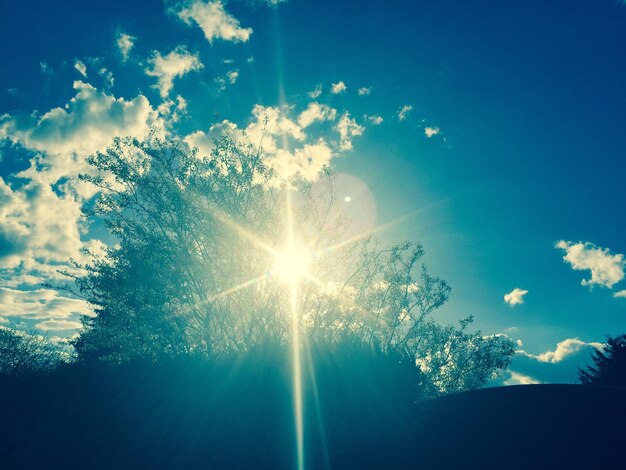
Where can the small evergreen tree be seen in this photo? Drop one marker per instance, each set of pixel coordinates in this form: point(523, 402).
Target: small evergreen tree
point(609, 364)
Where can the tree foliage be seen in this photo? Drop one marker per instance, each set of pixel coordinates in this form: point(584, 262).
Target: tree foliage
point(190, 271)
point(609, 364)
point(22, 353)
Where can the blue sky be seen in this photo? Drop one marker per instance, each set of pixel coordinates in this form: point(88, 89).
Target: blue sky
point(499, 123)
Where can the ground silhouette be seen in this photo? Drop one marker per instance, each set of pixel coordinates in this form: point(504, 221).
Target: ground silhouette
point(361, 411)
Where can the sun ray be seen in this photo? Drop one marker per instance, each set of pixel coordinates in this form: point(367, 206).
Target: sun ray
point(295, 345)
point(243, 232)
point(232, 290)
point(377, 229)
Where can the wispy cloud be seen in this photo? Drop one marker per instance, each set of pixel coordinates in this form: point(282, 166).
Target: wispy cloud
point(364, 91)
point(124, 42)
point(81, 67)
point(215, 21)
point(58, 325)
point(316, 92)
point(374, 119)
point(404, 111)
point(348, 128)
point(606, 268)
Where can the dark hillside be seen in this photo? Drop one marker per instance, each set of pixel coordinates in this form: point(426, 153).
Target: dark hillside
point(238, 414)
point(528, 426)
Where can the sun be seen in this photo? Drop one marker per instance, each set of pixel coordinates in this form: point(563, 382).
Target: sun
point(292, 264)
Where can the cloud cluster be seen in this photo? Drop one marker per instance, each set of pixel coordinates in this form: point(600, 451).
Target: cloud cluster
point(41, 304)
point(166, 68)
point(41, 223)
point(606, 269)
point(515, 297)
point(288, 149)
point(215, 21)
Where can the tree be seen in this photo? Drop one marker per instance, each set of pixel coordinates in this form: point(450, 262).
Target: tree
point(609, 364)
point(22, 353)
point(192, 270)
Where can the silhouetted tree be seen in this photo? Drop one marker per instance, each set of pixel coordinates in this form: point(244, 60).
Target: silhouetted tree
point(609, 364)
point(191, 273)
point(22, 353)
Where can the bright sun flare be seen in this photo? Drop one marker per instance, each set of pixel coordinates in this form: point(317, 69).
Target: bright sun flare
point(292, 264)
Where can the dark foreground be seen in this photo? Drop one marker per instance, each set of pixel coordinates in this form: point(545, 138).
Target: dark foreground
point(208, 416)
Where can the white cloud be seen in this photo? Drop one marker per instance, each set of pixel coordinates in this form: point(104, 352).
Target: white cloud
point(374, 119)
point(125, 42)
point(517, 378)
point(306, 162)
point(175, 64)
point(316, 112)
point(431, 131)
point(338, 87)
point(620, 294)
point(403, 111)
point(564, 349)
point(560, 365)
point(58, 325)
point(606, 269)
point(515, 297)
point(348, 128)
point(316, 92)
point(81, 67)
point(215, 21)
point(364, 91)
point(41, 304)
point(86, 124)
point(41, 224)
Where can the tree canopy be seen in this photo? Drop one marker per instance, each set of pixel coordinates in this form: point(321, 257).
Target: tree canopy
point(189, 268)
